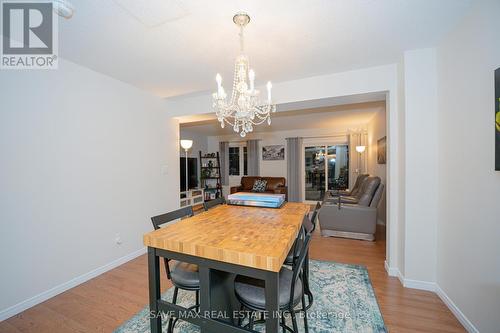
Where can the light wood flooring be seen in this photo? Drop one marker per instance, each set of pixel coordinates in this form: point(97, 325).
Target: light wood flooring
point(105, 302)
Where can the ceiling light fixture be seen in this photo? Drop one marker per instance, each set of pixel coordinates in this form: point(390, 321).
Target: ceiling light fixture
point(244, 109)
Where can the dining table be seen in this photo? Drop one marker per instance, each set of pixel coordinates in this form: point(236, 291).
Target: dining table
point(224, 241)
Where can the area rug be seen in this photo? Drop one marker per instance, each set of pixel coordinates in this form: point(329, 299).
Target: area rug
point(344, 301)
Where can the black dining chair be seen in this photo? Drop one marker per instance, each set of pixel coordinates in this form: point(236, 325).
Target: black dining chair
point(308, 226)
point(183, 275)
point(251, 292)
point(212, 203)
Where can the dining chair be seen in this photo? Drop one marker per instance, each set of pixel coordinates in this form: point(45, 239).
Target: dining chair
point(183, 275)
point(251, 293)
point(212, 203)
point(308, 226)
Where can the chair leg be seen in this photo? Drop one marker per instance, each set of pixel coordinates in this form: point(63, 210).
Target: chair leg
point(250, 322)
point(307, 288)
point(197, 293)
point(294, 322)
point(174, 301)
point(306, 328)
point(240, 319)
point(283, 322)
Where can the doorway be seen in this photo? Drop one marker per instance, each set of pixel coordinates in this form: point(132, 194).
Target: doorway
point(326, 167)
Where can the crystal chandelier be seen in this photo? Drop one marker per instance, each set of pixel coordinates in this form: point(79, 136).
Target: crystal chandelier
point(244, 109)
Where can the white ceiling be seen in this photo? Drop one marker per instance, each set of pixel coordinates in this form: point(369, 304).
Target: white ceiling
point(174, 47)
point(345, 117)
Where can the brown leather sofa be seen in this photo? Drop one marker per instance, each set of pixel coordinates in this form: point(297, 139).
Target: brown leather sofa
point(274, 185)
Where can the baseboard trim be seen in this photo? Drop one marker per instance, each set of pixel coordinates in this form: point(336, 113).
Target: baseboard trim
point(433, 287)
point(421, 285)
point(394, 272)
point(26, 304)
point(456, 311)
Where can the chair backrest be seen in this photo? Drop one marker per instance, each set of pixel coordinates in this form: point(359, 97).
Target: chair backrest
point(212, 203)
point(165, 218)
point(314, 216)
point(377, 196)
point(309, 223)
point(367, 191)
point(357, 184)
point(299, 264)
point(170, 216)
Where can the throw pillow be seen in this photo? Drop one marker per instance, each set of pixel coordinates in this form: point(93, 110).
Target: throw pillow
point(259, 185)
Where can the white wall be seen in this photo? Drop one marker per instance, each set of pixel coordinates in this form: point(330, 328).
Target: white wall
point(83, 158)
point(420, 165)
point(376, 129)
point(468, 246)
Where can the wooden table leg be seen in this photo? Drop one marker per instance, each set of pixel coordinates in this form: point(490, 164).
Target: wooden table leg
point(154, 290)
point(272, 301)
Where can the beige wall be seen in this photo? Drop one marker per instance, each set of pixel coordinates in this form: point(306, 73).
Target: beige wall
point(376, 130)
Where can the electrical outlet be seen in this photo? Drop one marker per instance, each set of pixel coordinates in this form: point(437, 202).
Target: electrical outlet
point(164, 170)
point(118, 239)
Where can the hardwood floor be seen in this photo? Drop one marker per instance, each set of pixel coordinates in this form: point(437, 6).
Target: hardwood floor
point(105, 302)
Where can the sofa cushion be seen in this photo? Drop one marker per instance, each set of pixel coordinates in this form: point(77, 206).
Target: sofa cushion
point(368, 189)
point(274, 182)
point(358, 184)
point(259, 186)
point(247, 182)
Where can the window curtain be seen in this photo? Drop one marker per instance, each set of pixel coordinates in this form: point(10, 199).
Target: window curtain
point(293, 169)
point(253, 158)
point(224, 162)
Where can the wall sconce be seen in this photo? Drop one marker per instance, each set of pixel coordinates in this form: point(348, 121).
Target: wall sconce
point(360, 149)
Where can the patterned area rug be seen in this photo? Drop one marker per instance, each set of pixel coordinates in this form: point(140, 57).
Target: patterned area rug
point(344, 301)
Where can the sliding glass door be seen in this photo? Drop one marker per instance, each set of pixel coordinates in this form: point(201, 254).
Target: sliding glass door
point(326, 168)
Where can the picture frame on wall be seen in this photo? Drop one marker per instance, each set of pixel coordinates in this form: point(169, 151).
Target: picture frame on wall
point(497, 119)
point(273, 153)
point(382, 150)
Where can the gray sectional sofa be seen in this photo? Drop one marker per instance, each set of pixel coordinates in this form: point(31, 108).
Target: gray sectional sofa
point(352, 214)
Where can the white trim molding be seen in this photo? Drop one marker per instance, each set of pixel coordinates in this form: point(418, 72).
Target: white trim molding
point(30, 302)
point(433, 287)
point(456, 311)
point(421, 285)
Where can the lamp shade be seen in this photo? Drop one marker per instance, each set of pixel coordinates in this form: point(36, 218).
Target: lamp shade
point(360, 149)
point(186, 144)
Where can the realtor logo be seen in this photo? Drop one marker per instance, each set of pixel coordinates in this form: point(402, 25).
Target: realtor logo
point(29, 35)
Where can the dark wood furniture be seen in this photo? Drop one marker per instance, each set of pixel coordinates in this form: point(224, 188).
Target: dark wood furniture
point(225, 241)
point(275, 185)
point(210, 176)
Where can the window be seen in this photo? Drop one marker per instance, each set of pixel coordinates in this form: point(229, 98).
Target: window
point(238, 160)
point(234, 161)
point(245, 161)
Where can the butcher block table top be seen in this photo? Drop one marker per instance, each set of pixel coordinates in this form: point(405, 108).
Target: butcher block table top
point(248, 236)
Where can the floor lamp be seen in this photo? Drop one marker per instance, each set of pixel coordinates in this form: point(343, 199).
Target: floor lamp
point(360, 150)
point(186, 144)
